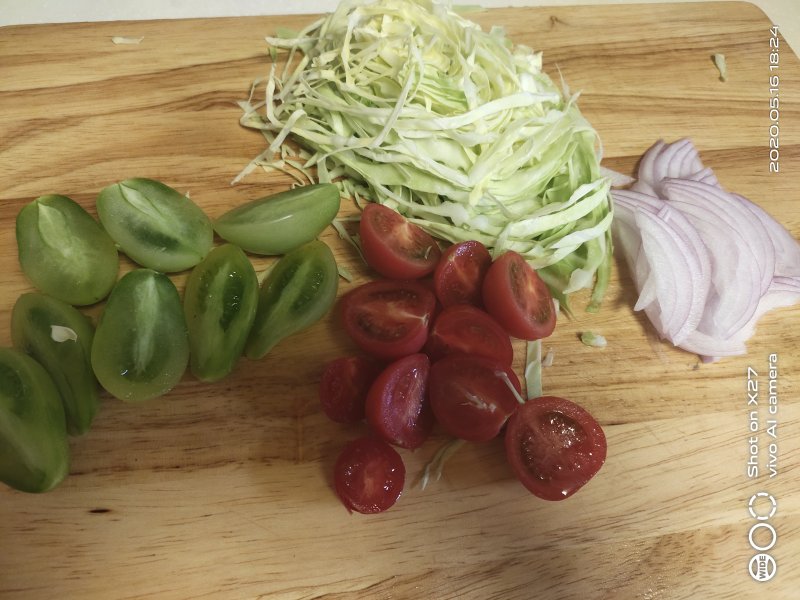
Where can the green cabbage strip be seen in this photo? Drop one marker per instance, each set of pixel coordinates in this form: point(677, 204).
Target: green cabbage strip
point(415, 107)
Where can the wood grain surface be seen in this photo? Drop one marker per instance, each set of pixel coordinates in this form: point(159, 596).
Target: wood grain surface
point(224, 490)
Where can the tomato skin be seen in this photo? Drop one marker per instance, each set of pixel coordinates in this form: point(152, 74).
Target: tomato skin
point(395, 247)
point(459, 276)
point(369, 475)
point(397, 405)
point(464, 329)
point(468, 397)
point(518, 299)
point(343, 387)
point(554, 447)
point(388, 319)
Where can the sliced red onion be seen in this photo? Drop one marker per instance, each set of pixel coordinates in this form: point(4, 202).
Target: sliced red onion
point(704, 175)
point(682, 310)
point(643, 187)
point(617, 179)
point(646, 172)
point(677, 160)
point(787, 250)
point(785, 284)
point(707, 264)
point(736, 278)
point(752, 232)
point(778, 296)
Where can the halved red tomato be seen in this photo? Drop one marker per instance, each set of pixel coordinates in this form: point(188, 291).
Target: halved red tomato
point(395, 247)
point(369, 475)
point(554, 447)
point(397, 405)
point(459, 275)
point(470, 395)
point(464, 329)
point(388, 319)
point(518, 299)
point(344, 385)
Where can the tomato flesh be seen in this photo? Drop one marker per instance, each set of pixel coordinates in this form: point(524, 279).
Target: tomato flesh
point(343, 387)
point(397, 405)
point(470, 397)
point(459, 275)
point(369, 475)
point(554, 447)
point(388, 319)
point(464, 329)
point(518, 299)
point(395, 247)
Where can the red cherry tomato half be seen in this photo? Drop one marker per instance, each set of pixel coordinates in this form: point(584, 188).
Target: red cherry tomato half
point(395, 247)
point(469, 395)
point(554, 447)
point(518, 299)
point(388, 319)
point(465, 329)
point(459, 275)
point(369, 475)
point(344, 385)
point(397, 405)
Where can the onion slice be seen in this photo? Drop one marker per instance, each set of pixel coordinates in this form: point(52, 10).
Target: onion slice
point(707, 264)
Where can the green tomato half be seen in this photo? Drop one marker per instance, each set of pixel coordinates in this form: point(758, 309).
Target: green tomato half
point(65, 252)
point(280, 223)
point(141, 347)
point(155, 225)
point(299, 290)
point(220, 303)
point(59, 337)
point(34, 451)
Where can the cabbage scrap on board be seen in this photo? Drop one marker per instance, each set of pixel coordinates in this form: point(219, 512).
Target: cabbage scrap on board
point(409, 104)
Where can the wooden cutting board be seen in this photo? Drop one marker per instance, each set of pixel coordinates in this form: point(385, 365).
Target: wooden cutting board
point(224, 491)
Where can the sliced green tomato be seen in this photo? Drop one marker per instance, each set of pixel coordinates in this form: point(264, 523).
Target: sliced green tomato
point(59, 337)
point(297, 293)
point(279, 223)
point(220, 303)
point(155, 225)
point(64, 251)
point(141, 346)
point(34, 451)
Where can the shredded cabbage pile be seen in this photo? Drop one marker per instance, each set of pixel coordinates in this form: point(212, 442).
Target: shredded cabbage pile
point(414, 106)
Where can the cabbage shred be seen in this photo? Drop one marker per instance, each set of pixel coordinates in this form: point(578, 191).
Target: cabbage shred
point(409, 104)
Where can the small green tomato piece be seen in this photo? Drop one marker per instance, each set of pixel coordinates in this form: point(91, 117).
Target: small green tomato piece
point(59, 337)
point(155, 225)
point(64, 251)
point(220, 303)
point(34, 451)
point(282, 222)
point(299, 290)
point(141, 346)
